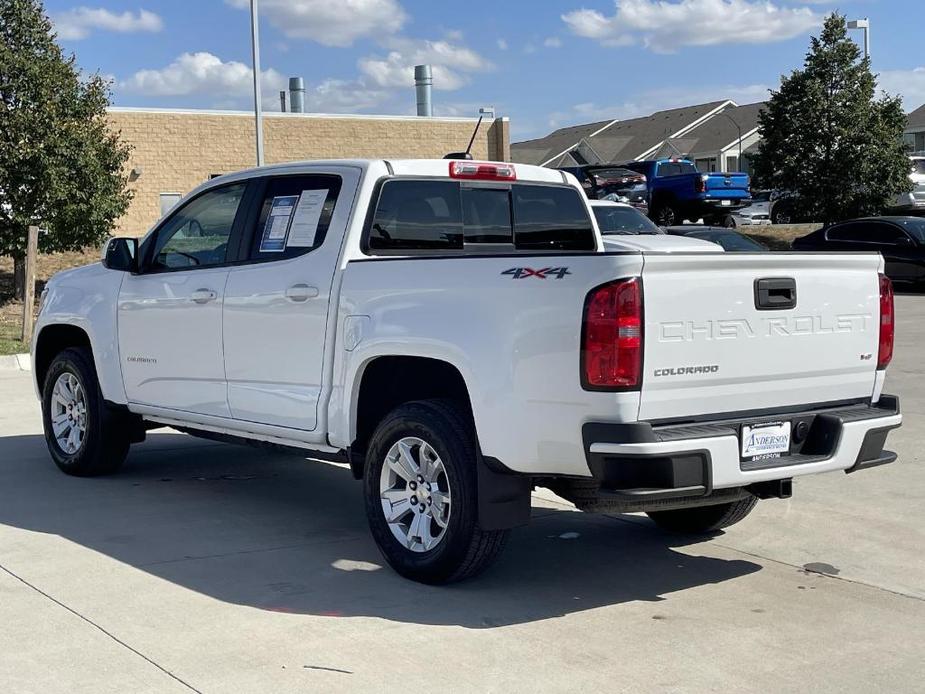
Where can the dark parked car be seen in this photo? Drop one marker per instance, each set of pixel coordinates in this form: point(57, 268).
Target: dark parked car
point(614, 183)
point(901, 241)
point(728, 239)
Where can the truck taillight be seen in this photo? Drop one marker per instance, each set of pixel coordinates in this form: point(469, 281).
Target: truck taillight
point(611, 346)
point(885, 352)
point(480, 171)
point(700, 184)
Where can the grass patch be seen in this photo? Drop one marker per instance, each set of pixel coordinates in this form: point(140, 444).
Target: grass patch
point(11, 310)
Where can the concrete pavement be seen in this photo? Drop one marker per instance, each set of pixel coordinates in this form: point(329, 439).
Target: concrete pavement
point(218, 568)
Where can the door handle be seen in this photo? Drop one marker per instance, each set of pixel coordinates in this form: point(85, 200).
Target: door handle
point(204, 296)
point(301, 292)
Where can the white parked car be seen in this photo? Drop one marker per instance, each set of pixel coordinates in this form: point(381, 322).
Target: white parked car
point(458, 332)
point(914, 200)
point(758, 213)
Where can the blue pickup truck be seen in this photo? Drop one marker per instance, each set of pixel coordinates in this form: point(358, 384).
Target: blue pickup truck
point(677, 191)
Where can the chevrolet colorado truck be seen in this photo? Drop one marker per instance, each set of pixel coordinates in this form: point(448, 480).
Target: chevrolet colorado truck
point(677, 191)
point(460, 332)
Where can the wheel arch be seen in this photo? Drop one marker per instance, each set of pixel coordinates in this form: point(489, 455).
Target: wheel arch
point(51, 341)
point(386, 381)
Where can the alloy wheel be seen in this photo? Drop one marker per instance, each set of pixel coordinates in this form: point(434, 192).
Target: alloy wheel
point(69, 413)
point(415, 494)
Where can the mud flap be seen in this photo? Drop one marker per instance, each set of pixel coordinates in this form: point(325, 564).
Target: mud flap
point(504, 497)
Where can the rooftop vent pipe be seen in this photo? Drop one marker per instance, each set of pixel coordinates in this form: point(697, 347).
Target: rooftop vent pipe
point(296, 95)
point(423, 81)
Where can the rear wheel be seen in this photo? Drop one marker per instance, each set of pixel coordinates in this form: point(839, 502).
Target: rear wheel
point(84, 437)
point(729, 222)
point(665, 215)
point(703, 519)
point(422, 494)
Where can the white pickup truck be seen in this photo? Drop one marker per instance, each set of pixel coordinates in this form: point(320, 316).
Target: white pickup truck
point(460, 332)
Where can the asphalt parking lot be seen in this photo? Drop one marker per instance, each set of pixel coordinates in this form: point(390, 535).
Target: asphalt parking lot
point(216, 568)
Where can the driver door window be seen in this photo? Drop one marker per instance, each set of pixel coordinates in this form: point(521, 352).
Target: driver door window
point(197, 234)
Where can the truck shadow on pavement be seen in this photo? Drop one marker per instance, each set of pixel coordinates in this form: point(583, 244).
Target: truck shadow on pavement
point(278, 533)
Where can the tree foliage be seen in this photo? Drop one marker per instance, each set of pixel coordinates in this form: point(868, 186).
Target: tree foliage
point(61, 167)
point(826, 137)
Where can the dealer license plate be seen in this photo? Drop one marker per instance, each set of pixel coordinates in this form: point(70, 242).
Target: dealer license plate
point(770, 440)
point(725, 202)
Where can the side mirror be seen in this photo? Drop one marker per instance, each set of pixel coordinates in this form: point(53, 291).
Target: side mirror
point(121, 253)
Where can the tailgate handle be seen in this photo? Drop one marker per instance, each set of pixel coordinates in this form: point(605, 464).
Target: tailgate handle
point(775, 293)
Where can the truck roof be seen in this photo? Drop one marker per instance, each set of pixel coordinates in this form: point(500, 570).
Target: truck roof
point(401, 167)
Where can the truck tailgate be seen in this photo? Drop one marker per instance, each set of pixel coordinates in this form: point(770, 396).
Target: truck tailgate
point(719, 183)
point(708, 348)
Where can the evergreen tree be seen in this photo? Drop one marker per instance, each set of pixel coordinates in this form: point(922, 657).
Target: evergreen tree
point(826, 137)
point(61, 167)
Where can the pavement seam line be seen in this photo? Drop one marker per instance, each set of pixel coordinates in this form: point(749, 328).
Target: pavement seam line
point(787, 563)
point(99, 628)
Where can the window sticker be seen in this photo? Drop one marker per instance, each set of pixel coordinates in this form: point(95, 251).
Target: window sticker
point(277, 225)
point(306, 217)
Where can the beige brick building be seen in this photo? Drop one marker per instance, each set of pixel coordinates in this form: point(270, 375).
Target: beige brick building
point(175, 150)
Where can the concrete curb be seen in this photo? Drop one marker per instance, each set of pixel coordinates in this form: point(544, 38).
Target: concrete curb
point(15, 362)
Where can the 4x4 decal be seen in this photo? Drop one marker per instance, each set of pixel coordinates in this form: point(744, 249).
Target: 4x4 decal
point(519, 273)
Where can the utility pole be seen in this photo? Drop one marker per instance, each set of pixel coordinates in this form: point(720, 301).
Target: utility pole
point(28, 306)
point(258, 110)
point(739, 160)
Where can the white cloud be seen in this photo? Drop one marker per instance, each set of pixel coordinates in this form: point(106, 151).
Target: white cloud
point(207, 75)
point(331, 22)
point(80, 22)
point(910, 84)
point(502, 44)
point(553, 42)
point(666, 26)
point(451, 62)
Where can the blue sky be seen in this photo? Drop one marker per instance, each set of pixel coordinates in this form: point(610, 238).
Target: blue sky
point(544, 64)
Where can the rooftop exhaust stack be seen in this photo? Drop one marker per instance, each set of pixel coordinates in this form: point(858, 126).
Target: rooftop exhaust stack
point(296, 95)
point(423, 81)
point(282, 101)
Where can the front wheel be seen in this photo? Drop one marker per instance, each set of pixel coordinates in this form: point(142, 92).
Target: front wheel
point(422, 494)
point(703, 520)
point(664, 215)
point(84, 437)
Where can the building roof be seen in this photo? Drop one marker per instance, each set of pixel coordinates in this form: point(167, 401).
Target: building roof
point(717, 133)
point(616, 140)
point(915, 120)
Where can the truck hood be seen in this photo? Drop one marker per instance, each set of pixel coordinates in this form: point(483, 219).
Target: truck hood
point(78, 274)
point(658, 243)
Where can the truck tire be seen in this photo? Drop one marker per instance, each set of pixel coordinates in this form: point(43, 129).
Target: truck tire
point(85, 438)
point(422, 494)
point(703, 520)
point(665, 215)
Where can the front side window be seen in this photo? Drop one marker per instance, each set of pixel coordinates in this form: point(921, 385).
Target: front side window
point(197, 234)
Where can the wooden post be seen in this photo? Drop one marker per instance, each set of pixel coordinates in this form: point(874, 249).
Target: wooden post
point(28, 306)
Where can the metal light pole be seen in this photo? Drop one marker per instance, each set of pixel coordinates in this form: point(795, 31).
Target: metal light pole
point(863, 24)
point(258, 110)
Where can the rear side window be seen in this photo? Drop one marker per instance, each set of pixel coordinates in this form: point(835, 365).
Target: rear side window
point(294, 216)
point(860, 232)
point(449, 216)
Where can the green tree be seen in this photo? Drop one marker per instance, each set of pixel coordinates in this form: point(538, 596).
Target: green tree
point(61, 167)
point(828, 139)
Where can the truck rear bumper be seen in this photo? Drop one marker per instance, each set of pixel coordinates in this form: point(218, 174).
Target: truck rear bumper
point(638, 461)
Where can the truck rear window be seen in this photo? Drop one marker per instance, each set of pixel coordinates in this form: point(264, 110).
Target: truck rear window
point(429, 215)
